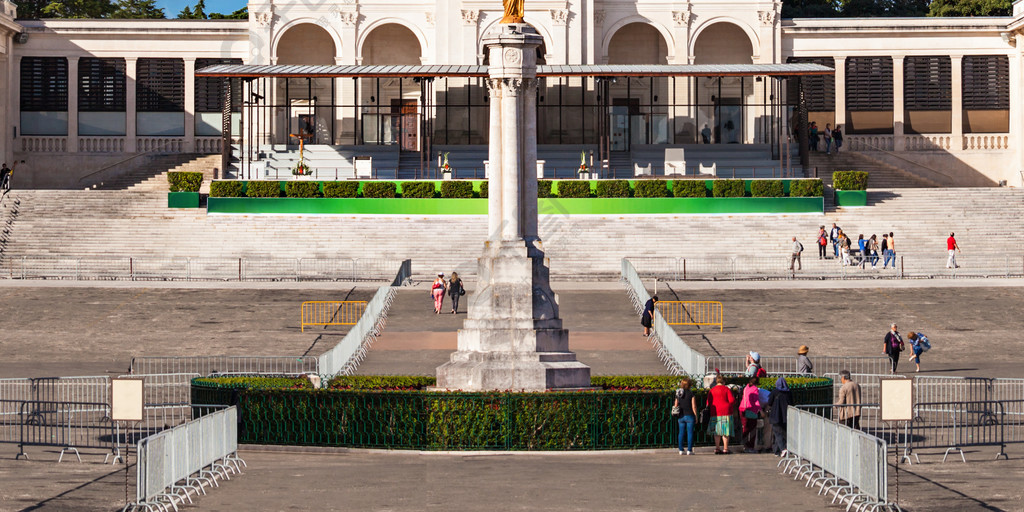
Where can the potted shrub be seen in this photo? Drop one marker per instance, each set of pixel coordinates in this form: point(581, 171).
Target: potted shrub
point(850, 188)
point(446, 170)
point(583, 172)
point(184, 189)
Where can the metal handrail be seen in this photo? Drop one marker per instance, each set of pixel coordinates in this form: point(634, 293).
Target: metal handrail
point(119, 162)
point(876, 148)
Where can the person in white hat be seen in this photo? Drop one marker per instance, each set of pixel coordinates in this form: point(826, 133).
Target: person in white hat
point(754, 365)
point(437, 290)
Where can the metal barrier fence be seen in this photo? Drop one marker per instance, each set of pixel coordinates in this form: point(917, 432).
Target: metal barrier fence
point(208, 365)
point(56, 389)
point(777, 267)
point(331, 312)
point(200, 269)
point(837, 459)
point(954, 425)
point(692, 312)
point(961, 389)
point(176, 463)
point(69, 425)
point(346, 355)
point(673, 351)
point(872, 365)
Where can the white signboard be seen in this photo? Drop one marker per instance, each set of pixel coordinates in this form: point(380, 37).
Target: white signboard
point(897, 399)
point(126, 399)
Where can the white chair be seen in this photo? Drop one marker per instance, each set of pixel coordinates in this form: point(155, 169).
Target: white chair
point(675, 161)
point(711, 170)
point(642, 171)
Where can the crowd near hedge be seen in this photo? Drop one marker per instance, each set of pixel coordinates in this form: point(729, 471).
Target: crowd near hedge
point(397, 412)
point(180, 181)
point(566, 189)
point(850, 180)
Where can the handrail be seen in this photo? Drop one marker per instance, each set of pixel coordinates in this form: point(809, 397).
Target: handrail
point(119, 162)
point(876, 148)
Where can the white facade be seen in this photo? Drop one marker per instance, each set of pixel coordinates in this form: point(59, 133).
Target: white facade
point(448, 32)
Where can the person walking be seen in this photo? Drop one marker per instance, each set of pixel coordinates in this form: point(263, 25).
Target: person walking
point(892, 249)
point(722, 403)
point(797, 249)
point(952, 248)
point(750, 409)
point(705, 134)
point(6, 173)
point(804, 366)
point(844, 248)
point(647, 317)
point(833, 236)
point(455, 290)
point(827, 135)
point(919, 344)
point(437, 292)
point(893, 346)
point(862, 245)
point(822, 242)
point(686, 405)
point(837, 139)
point(812, 132)
point(885, 252)
point(873, 250)
point(849, 393)
point(778, 406)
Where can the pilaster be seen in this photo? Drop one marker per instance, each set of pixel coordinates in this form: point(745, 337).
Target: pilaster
point(957, 105)
point(72, 104)
point(898, 143)
point(840, 81)
point(190, 105)
point(131, 117)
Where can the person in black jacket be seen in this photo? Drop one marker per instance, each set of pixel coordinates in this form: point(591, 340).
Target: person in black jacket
point(455, 290)
point(778, 405)
point(893, 346)
point(647, 317)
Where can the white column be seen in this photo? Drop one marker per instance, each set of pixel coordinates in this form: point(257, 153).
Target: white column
point(511, 165)
point(957, 105)
point(898, 144)
point(1016, 110)
point(5, 111)
point(190, 106)
point(131, 75)
point(73, 104)
point(494, 192)
point(528, 170)
point(840, 81)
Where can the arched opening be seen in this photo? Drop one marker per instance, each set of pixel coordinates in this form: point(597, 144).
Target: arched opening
point(390, 113)
point(308, 114)
point(638, 105)
point(722, 112)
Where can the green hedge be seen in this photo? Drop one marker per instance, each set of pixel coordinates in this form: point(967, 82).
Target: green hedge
point(418, 189)
point(612, 188)
point(767, 188)
point(263, 189)
point(227, 189)
point(483, 189)
point(302, 189)
point(180, 181)
point(337, 189)
point(574, 188)
point(544, 188)
point(379, 189)
point(728, 188)
point(651, 188)
point(689, 188)
point(455, 189)
point(382, 382)
point(806, 188)
point(850, 180)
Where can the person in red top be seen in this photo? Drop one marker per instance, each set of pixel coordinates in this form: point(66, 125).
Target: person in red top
point(722, 402)
point(953, 248)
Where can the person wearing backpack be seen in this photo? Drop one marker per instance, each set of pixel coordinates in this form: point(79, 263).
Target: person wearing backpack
point(797, 249)
point(893, 346)
point(919, 344)
point(822, 242)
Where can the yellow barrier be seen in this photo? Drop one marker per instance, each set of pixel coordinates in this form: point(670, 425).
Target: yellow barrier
point(332, 312)
point(692, 312)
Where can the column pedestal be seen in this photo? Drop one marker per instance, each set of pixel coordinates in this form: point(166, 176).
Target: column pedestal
point(513, 338)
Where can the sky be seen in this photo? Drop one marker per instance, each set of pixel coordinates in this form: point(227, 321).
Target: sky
point(173, 7)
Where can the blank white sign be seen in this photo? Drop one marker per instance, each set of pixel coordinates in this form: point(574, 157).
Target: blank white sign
point(126, 399)
point(897, 399)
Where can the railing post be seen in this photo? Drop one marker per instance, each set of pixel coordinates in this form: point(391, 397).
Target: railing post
point(239, 269)
point(902, 275)
point(684, 269)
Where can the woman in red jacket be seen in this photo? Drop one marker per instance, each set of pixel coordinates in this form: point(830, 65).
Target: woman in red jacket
point(722, 402)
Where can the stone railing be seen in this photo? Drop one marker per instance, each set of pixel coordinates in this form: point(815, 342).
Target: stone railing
point(162, 144)
point(928, 142)
point(869, 142)
point(101, 144)
point(44, 144)
point(208, 145)
point(986, 141)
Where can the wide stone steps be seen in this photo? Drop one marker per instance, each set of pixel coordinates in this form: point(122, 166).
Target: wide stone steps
point(879, 175)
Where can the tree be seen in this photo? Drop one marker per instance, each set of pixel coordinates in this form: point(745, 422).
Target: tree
point(78, 9)
point(970, 8)
point(138, 9)
point(196, 13)
point(241, 14)
point(810, 9)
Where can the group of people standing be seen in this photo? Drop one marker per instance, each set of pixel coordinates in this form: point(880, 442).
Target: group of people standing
point(452, 287)
point(869, 249)
point(833, 138)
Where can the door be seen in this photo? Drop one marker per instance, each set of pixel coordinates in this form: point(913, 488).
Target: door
point(406, 121)
point(730, 121)
point(624, 112)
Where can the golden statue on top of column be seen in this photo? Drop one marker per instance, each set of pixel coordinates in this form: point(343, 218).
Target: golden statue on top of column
point(514, 11)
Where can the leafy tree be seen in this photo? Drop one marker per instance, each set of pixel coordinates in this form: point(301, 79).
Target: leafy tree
point(78, 9)
point(196, 13)
point(138, 9)
point(241, 14)
point(810, 9)
point(970, 8)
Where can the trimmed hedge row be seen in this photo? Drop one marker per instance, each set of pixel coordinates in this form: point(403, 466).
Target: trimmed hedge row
point(850, 180)
point(180, 181)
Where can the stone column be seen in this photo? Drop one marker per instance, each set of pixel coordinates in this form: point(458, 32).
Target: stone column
point(512, 337)
point(898, 143)
point(840, 81)
point(72, 104)
point(190, 106)
point(131, 76)
point(957, 104)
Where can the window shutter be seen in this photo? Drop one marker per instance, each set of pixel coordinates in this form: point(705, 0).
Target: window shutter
point(101, 85)
point(869, 84)
point(44, 84)
point(161, 85)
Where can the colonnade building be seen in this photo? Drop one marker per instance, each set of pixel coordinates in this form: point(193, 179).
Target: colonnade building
point(621, 82)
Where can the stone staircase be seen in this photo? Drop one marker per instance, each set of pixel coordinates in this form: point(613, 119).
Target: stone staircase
point(123, 223)
point(881, 175)
point(152, 176)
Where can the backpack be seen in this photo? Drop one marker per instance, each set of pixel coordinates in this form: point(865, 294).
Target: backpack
point(801, 247)
point(761, 373)
point(923, 341)
point(822, 240)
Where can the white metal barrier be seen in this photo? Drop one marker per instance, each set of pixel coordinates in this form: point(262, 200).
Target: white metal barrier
point(839, 460)
point(182, 461)
point(869, 365)
point(346, 355)
point(673, 351)
point(207, 365)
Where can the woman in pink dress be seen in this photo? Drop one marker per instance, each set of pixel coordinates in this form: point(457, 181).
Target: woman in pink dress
point(437, 290)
